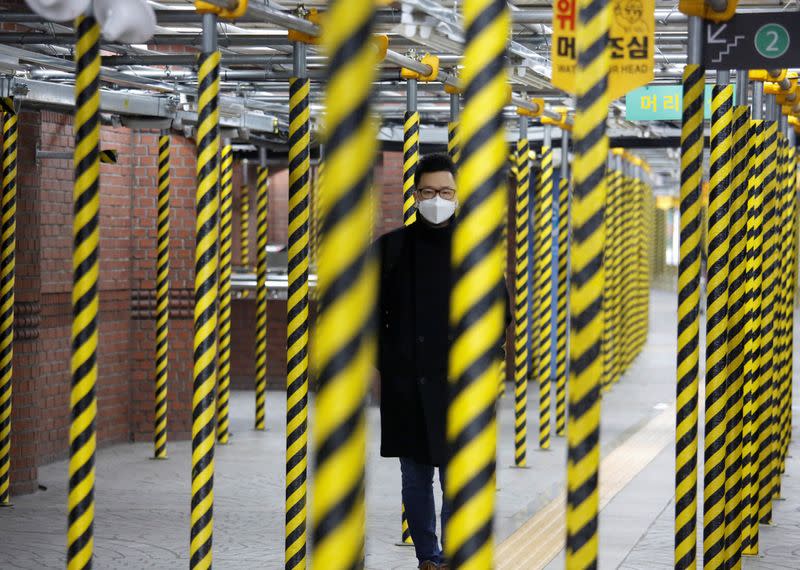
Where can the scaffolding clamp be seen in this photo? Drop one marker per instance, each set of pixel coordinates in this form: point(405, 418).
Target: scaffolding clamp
point(537, 103)
point(228, 13)
point(714, 10)
point(381, 43)
point(431, 61)
point(561, 122)
point(455, 88)
point(775, 75)
point(312, 16)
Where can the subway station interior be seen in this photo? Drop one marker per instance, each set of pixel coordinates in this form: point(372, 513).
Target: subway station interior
point(270, 270)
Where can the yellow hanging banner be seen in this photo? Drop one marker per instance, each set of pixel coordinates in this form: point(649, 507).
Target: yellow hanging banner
point(563, 54)
point(631, 44)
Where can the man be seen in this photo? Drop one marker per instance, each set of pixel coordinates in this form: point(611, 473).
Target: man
point(414, 344)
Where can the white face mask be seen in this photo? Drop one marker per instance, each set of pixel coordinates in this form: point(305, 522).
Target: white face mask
point(437, 209)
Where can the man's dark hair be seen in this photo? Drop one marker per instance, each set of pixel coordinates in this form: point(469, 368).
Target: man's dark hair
point(434, 162)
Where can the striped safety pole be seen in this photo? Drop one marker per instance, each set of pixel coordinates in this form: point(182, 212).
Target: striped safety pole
point(162, 299)
point(753, 290)
point(314, 221)
point(562, 305)
point(766, 372)
point(85, 302)
point(225, 228)
point(261, 291)
point(205, 297)
point(717, 322)
point(502, 376)
point(784, 241)
point(453, 136)
point(344, 345)
point(244, 219)
point(476, 307)
point(8, 235)
point(688, 358)
point(610, 252)
point(543, 284)
point(786, 257)
point(736, 321)
point(521, 296)
point(586, 367)
point(410, 160)
point(613, 271)
point(410, 151)
point(297, 307)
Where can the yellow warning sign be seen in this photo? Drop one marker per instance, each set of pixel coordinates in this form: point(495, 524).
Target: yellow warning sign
point(563, 52)
point(631, 45)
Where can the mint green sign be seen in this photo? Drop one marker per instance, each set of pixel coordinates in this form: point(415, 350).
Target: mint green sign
point(660, 103)
point(772, 40)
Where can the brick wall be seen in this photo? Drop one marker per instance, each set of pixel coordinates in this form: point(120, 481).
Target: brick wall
point(128, 196)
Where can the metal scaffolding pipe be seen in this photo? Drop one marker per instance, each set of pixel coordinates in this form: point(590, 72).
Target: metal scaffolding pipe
point(758, 100)
point(741, 87)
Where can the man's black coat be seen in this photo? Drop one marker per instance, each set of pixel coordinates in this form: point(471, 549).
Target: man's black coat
point(413, 314)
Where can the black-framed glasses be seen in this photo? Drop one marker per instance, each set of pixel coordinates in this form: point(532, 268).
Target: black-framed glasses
point(446, 193)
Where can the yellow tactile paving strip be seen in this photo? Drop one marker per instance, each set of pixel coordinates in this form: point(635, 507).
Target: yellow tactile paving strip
point(540, 539)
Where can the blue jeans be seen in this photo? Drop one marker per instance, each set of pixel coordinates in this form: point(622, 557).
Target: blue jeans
point(421, 510)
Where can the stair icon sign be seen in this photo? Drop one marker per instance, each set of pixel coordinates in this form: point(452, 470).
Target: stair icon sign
point(727, 49)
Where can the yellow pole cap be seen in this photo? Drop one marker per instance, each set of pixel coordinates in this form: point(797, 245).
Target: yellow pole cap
point(703, 9)
point(314, 17)
point(381, 43)
point(228, 13)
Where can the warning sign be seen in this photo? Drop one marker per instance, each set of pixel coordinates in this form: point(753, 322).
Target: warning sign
point(630, 41)
point(563, 48)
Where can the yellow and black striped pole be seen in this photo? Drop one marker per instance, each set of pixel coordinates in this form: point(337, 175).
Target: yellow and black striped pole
point(688, 359)
point(344, 345)
point(410, 151)
point(261, 292)
point(476, 308)
point(717, 323)
point(766, 371)
point(297, 307)
point(736, 331)
point(586, 367)
point(8, 237)
point(162, 300)
point(781, 384)
point(544, 287)
point(521, 297)
point(410, 160)
point(225, 228)
point(612, 360)
point(562, 305)
point(610, 254)
point(753, 291)
point(244, 219)
point(85, 302)
point(205, 298)
point(453, 137)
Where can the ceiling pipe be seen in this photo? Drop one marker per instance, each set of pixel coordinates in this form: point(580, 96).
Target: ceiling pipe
point(225, 40)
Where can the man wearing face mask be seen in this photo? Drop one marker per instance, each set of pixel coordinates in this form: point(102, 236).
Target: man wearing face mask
point(414, 343)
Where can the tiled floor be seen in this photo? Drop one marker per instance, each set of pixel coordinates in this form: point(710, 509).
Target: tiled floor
point(142, 505)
